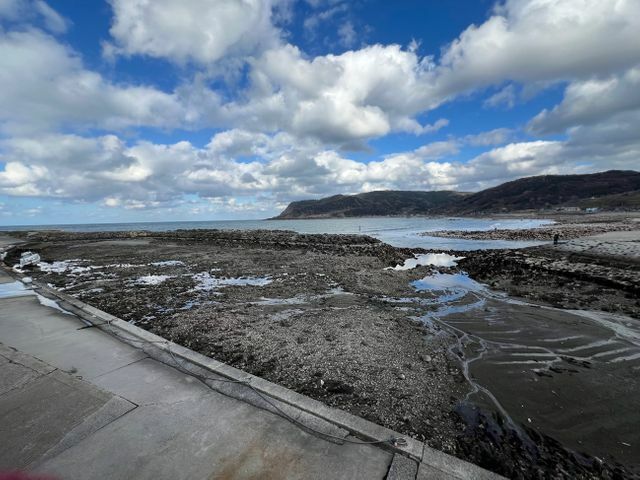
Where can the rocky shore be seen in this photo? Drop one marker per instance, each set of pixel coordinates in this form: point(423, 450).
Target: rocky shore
point(543, 233)
point(299, 310)
point(325, 316)
point(587, 274)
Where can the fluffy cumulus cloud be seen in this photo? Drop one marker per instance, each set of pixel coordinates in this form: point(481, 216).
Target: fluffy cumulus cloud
point(44, 85)
point(239, 163)
point(378, 89)
point(201, 31)
point(543, 40)
point(592, 101)
point(286, 121)
point(357, 95)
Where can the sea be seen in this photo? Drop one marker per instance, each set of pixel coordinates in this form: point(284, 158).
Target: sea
point(396, 231)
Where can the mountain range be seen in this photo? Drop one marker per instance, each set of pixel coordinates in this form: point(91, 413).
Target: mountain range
point(608, 190)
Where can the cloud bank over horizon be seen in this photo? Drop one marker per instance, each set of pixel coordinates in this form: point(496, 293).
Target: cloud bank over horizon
point(227, 109)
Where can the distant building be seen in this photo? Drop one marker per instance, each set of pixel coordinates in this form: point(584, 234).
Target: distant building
point(592, 210)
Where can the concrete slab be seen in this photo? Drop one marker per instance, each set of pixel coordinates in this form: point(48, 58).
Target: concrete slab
point(151, 382)
point(54, 337)
point(37, 416)
point(14, 376)
point(427, 472)
point(221, 439)
point(19, 369)
point(11, 355)
point(115, 408)
point(402, 468)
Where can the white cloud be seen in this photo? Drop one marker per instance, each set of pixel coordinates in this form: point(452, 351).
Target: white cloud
point(11, 9)
point(410, 125)
point(285, 127)
point(313, 21)
point(338, 98)
point(505, 97)
point(497, 136)
point(54, 22)
point(342, 99)
point(347, 34)
point(21, 11)
point(200, 31)
point(19, 179)
point(147, 175)
point(590, 102)
point(378, 89)
point(43, 85)
point(543, 40)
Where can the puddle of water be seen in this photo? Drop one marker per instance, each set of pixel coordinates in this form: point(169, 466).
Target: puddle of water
point(433, 259)
point(47, 302)
point(18, 289)
point(206, 281)
point(14, 289)
point(447, 309)
point(447, 281)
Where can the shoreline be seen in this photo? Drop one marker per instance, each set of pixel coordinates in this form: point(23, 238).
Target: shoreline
point(546, 232)
point(340, 332)
point(568, 226)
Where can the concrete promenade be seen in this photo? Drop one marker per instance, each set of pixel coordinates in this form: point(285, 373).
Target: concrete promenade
point(80, 403)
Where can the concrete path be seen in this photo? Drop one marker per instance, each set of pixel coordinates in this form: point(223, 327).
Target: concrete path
point(92, 407)
point(78, 403)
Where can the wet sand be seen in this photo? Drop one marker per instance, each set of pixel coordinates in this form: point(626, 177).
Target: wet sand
point(524, 390)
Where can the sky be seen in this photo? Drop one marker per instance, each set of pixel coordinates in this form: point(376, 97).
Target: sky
point(163, 110)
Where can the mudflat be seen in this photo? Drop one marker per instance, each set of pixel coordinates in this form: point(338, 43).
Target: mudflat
point(510, 382)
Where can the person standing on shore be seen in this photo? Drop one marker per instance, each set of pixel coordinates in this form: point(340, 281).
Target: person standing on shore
point(556, 237)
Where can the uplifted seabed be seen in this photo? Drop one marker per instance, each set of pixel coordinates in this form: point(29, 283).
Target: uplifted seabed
point(368, 334)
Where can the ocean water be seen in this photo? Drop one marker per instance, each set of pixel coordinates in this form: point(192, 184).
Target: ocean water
point(396, 231)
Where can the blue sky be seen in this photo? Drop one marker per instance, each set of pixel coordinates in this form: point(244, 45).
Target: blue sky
point(128, 110)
